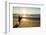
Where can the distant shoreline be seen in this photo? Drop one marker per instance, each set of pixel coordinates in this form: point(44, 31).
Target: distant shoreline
point(27, 16)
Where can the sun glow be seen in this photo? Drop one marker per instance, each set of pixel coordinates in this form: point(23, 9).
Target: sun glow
point(24, 12)
point(24, 19)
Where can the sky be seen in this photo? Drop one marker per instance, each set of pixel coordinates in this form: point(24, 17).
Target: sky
point(26, 10)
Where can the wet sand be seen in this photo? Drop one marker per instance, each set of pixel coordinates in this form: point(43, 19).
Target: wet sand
point(25, 22)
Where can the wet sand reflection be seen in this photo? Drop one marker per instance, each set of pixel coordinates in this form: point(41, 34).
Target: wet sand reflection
point(27, 22)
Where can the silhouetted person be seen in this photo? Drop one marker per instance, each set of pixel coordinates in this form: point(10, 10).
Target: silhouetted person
point(19, 20)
